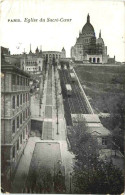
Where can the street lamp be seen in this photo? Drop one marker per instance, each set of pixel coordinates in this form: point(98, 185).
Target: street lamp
point(39, 107)
point(70, 182)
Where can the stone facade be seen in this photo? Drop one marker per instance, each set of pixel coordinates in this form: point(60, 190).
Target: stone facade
point(32, 62)
point(15, 118)
point(88, 48)
point(51, 56)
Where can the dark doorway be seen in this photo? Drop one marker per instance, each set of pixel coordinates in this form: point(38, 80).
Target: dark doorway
point(93, 60)
point(90, 59)
point(98, 60)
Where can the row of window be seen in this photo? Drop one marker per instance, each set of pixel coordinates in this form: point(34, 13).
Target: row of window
point(19, 80)
point(20, 99)
point(94, 60)
point(19, 142)
point(33, 69)
point(31, 62)
point(19, 120)
point(51, 55)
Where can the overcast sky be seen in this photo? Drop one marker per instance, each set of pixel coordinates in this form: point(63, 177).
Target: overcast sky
point(109, 16)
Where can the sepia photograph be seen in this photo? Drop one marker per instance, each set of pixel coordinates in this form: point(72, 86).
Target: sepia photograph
point(62, 96)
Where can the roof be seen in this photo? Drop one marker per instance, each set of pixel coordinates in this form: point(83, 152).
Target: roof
point(91, 118)
point(100, 41)
point(72, 75)
point(88, 28)
point(6, 67)
point(68, 87)
point(98, 130)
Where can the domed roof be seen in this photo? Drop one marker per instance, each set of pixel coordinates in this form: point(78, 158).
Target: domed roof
point(100, 40)
point(88, 28)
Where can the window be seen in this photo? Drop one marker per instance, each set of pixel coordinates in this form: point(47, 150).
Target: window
point(104, 141)
point(18, 122)
point(21, 118)
point(21, 139)
point(28, 96)
point(17, 80)
point(98, 60)
point(13, 126)
point(94, 60)
point(90, 59)
point(26, 82)
point(21, 99)
point(27, 129)
point(23, 134)
point(18, 100)
point(13, 152)
point(26, 113)
point(24, 116)
point(23, 81)
point(13, 102)
point(13, 79)
point(18, 144)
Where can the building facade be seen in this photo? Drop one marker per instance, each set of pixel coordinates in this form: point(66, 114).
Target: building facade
point(54, 56)
point(88, 48)
point(15, 118)
point(32, 62)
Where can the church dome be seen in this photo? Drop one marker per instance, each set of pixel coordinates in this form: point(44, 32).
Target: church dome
point(88, 28)
point(100, 40)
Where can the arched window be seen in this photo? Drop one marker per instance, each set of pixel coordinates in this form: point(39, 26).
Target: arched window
point(94, 61)
point(90, 59)
point(98, 60)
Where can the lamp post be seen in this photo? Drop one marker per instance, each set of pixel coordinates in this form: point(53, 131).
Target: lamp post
point(39, 107)
point(57, 120)
point(70, 183)
point(56, 105)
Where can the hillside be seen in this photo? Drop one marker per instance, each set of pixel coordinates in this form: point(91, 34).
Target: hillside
point(105, 88)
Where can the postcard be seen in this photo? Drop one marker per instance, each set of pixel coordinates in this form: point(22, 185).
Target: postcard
point(62, 96)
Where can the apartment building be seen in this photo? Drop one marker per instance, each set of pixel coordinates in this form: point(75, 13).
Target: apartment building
point(15, 118)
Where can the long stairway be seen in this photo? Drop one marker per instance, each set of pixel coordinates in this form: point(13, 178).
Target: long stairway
point(47, 122)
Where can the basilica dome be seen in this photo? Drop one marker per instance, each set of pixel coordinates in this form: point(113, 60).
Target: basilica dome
point(88, 28)
point(100, 40)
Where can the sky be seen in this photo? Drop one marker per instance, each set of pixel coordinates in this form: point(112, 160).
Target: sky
point(107, 16)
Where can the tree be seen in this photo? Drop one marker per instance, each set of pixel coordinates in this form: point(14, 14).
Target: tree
point(92, 175)
point(106, 178)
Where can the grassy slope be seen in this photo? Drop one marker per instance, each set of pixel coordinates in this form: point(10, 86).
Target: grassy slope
point(105, 87)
